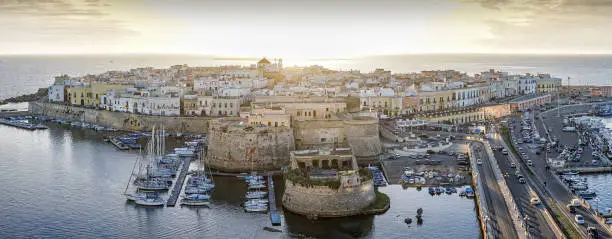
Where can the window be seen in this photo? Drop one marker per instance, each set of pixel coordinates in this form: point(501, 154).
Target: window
point(231, 105)
point(323, 140)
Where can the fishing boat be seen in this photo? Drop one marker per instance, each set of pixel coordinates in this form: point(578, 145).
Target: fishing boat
point(432, 191)
point(438, 190)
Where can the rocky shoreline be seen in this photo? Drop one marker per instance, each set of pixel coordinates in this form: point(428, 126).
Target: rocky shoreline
point(42, 92)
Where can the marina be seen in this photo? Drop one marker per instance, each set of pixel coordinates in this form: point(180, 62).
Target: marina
point(22, 123)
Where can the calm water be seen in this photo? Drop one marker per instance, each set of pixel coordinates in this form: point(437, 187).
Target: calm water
point(67, 183)
point(25, 74)
point(601, 184)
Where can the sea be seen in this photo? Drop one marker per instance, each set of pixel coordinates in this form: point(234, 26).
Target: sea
point(26, 73)
point(67, 182)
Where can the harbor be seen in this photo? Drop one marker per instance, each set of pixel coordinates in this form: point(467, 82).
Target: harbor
point(108, 167)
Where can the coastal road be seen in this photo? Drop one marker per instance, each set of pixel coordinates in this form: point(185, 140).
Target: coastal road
point(498, 210)
point(538, 226)
point(554, 190)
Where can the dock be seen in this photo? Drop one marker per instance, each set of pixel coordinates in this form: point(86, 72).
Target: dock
point(278, 172)
point(22, 124)
point(178, 185)
point(274, 216)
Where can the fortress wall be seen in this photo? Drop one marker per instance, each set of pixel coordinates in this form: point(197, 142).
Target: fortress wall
point(363, 136)
point(120, 120)
point(242, 149)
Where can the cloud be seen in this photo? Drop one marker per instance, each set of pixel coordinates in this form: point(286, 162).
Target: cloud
point(55, 24)
point(549, 25)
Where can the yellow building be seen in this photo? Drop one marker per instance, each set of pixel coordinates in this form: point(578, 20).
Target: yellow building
point(436, 100)
point(270, 116)
point(90, 94)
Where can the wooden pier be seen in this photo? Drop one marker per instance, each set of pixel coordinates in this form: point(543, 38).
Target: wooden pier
point(178, 185)
point(274, 216)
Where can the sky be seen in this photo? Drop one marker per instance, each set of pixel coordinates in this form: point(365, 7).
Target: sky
point(305, 29)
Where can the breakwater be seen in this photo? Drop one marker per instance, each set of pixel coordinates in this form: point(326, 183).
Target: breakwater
point(120, 120)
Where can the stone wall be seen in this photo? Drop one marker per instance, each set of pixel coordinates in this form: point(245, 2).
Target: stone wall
point(359, 133)
point(363, 136)
point(236, 148)
point(322, 201)
point(121, 121)
point(312, 134)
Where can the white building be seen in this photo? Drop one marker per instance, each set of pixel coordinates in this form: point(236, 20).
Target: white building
point(56, 93)
point(527, 85)
point(139, 102)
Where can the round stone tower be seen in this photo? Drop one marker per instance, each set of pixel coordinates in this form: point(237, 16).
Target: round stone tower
point(232, 146)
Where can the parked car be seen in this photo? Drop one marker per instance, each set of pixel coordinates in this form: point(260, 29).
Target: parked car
point(579, 219)
point(479, 161)
point(512, 165)
point(529, 163)
point(593, 233)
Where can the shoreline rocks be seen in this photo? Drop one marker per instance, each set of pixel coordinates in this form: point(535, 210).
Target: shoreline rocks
point(42, 92)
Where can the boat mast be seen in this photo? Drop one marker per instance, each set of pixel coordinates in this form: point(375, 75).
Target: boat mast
point(133, 168)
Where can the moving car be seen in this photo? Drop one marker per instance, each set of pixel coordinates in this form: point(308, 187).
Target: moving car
point(512, 165)
point(535, 201)
point(479, 161)
point(529, 162)
point(522, 180)
point(579, 219)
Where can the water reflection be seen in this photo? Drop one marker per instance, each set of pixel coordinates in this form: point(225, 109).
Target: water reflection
point(351, 227)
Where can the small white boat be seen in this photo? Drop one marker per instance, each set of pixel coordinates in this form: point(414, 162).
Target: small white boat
point(185, 152)
point(256, 194)
point(152, 185)
point(195, 190)
point(196, 197)
point(135, 196)
point(195, 202)
point(256, 208)
point(150, 201)
point(580, 186)
point(257, 186)
point(257, 200)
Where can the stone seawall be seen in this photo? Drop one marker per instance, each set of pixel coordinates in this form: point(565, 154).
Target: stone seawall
point(322, 201)
point(119, 120)
point(237, 148)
